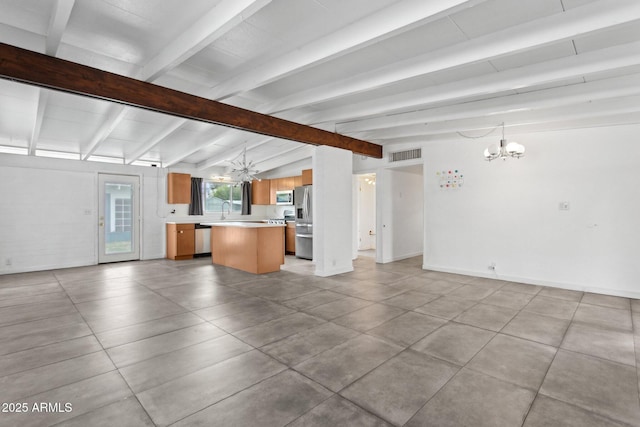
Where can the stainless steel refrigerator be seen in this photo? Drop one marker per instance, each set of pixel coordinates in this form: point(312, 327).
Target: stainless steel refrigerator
point(302, 197)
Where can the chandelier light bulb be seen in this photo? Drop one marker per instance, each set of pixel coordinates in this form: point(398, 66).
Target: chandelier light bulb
point(504, 150)
point(512, 148)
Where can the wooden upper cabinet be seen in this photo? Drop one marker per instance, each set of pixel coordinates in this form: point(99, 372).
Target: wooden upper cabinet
point(178, 188)
point(283, 184)
point(260, 192)
point(307, 177)
point(286, 183)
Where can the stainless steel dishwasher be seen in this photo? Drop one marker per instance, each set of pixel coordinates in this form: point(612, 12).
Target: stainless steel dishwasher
point(203, 239)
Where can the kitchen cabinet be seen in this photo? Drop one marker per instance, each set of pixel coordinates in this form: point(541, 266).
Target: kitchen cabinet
point(283, 184)
point(290, 238)
point(178, 188)
point(256, 248)
point(261, 192)
point(181, 241)
point(307, 177)
point(286, 183)
point(279, 184)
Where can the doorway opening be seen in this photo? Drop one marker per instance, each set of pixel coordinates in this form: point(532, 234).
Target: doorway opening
point(366, 215)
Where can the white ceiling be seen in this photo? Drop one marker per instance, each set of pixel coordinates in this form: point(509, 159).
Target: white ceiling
point(387, 71)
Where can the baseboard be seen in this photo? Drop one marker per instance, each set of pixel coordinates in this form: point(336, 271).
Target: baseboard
point(85, 263)
point(534, 281)
point(401, 257)
point(35, 268)
point(333, 271)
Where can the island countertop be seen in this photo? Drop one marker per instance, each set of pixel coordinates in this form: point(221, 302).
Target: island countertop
point(242, 224)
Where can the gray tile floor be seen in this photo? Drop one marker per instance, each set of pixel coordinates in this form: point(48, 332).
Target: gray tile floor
point(189, 344)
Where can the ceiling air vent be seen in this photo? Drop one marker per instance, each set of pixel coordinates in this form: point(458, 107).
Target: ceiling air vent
point(399, 156)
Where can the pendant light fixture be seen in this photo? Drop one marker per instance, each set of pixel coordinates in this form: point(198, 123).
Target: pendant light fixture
point(504, 149)
point(244, 170)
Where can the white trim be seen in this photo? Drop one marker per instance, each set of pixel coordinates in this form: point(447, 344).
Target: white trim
point(533, 281)
point(333, 271)
point(401, 257)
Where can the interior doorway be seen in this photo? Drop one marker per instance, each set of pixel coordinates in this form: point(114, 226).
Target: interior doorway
point(119, 210)
point(366, 215)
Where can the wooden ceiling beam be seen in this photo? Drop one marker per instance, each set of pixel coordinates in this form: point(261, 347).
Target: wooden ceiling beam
point(41, 70)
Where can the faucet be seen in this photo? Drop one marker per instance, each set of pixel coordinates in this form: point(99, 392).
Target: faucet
point(228, 212)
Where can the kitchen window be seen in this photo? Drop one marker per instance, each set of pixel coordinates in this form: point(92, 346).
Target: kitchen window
point(216, 193)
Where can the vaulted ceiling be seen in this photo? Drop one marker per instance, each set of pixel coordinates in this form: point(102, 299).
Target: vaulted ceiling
point(386, 71)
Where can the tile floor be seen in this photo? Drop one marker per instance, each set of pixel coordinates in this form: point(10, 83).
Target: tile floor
point(190, 344)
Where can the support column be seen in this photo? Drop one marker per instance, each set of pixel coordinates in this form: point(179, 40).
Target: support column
point(332, 211)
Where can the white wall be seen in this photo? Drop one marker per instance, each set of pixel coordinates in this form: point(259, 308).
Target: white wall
point(48, 212)
point(332, 211)
point(508, 213)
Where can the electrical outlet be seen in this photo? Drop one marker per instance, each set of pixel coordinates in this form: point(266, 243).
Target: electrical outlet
point(563, 206)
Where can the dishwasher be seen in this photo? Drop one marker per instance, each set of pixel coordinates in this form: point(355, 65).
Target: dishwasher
point(203, 239)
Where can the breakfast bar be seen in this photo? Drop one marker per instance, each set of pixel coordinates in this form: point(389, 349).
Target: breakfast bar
point(249, 246)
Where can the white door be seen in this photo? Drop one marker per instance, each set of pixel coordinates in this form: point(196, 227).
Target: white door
point(119, 218)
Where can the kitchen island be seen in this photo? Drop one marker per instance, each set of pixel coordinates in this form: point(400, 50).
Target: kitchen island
point(249, 246)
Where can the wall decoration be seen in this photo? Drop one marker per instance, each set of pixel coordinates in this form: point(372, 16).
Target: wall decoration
point(450, 179)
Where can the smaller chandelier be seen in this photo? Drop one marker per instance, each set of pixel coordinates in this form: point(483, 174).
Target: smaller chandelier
point(504, 150)
point(244, 170)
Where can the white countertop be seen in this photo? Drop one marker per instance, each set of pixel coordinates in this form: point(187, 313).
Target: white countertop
point(220, 222)
point(242, 224)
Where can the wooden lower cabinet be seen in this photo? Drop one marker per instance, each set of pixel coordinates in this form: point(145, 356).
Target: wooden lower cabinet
point(181, 241)
point(249, 248)
point(290, 238)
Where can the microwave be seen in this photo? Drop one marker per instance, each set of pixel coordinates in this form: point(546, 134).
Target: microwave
point(284, 197)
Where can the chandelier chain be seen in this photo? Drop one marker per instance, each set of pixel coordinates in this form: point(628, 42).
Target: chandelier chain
point(482, 136)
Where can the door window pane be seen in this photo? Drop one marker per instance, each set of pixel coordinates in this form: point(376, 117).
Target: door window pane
point(118, 218)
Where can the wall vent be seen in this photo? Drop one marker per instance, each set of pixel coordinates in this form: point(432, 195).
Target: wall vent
point(399, 156)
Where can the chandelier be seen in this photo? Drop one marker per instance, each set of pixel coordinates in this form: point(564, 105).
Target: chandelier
point(244, 170)
point(504, 150)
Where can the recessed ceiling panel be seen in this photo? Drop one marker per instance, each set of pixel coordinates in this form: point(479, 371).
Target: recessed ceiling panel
point(96, 60)
point(462, 72)
point(247, 41)
point(423, 39)
point(130, 31)
point(495, 15)
point(346, 66)
point(534, 55)
point(620, 34)
point(296, 20)
point(29, 15)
